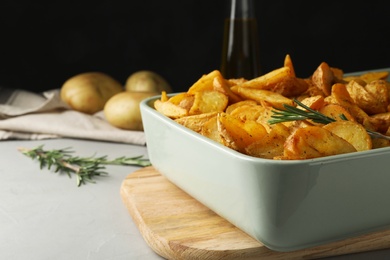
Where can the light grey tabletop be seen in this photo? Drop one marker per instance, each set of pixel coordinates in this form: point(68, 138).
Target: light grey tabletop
point(44, 215)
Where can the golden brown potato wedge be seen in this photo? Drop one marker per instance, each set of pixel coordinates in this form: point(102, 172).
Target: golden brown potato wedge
point(260, 95)
point(271, 145)
point(368, 76)
point(235, 82)
point(380, 143)
point(336, 112)
point(238, 134)
point(282, 81)
point(374, 75)
point(183, 100)
point(323, 78)
point(314, 142)
point(338, 74)
point(290, 86)
point(373, 97)
point(352, 132)
point(176, 99)
point(164, 96)
point(222, 85)
point(248, 112)
point(341, 96)
point(379, 89)
point(208, 101)
point(288, 63)
point(214, 81)
point(246, 102)
point(265, 117)
point(381, 121)
point(210, 129)
point(314, 102)
point(269, 79)
point(169, 109)
point(312, 90)
point(196, 122)
point(206, 82)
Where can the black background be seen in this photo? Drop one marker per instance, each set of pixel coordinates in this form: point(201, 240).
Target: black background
point(44, 43)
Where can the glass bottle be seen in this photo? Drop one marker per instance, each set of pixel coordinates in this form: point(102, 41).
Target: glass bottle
point(240, 49)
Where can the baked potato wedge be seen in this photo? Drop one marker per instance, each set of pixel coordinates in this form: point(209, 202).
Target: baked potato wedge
point(313, 142)
point(352, 132)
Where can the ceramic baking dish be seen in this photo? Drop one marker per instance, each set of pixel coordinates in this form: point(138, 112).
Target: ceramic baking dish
point(286, 205)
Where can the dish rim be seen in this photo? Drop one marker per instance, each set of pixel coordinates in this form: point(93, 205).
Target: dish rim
point(147, 105)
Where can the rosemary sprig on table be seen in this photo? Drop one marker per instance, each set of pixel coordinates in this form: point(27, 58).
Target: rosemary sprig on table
point(85, 168)
point(291, 113)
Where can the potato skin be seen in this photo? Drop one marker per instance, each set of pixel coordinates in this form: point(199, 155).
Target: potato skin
point(123, 109)
point(89, 91)
point(147, 81)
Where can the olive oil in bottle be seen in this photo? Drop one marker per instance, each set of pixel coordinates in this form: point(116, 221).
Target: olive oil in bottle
point(240, 50)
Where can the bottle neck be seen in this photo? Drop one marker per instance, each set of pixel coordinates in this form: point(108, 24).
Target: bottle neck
point(241, 9)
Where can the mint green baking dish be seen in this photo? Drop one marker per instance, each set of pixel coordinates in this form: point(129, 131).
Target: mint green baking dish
point(285, 205)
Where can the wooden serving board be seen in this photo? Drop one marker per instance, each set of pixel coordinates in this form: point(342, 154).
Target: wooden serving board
point(176, 226)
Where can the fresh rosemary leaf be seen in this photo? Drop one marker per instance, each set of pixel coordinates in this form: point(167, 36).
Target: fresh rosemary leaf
point(292, 113)
point(85, 168)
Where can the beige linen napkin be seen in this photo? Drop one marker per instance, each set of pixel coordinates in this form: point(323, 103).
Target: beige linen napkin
point(32, 116)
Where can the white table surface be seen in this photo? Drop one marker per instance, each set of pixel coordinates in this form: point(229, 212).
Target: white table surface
point(44, 215)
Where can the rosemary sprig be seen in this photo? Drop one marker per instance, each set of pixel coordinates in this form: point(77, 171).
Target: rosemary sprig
point(291, 113)
point(85, 168)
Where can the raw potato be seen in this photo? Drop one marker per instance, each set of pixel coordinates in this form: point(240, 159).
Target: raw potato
point(88, 92)
point(147, 81)
point(123, 111)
